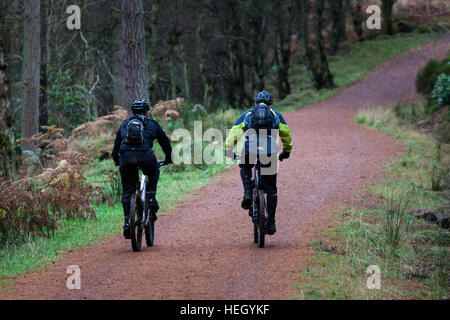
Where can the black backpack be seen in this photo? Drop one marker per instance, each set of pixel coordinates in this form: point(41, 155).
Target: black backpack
point(135, 130)
point(261, 117)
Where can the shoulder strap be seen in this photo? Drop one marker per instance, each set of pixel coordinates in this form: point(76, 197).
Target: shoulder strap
point(247, 118)
point(141, 118)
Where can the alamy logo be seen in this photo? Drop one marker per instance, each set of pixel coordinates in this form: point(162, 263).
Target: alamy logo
point(374, 21)
point(261, 147)
point(74, 20)
point(74, 280)
point(374, 281)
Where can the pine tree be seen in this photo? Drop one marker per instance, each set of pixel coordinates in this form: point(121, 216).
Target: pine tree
point(133, 50)
point(32, 66)
point(7, 153)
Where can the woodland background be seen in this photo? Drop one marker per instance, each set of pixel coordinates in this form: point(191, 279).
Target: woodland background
point(213, 53)
point(63, 93)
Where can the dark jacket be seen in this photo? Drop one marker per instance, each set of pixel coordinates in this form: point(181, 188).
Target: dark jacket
point(152, 131)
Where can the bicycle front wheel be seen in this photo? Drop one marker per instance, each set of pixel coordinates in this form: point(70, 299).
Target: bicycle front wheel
point(136, 229)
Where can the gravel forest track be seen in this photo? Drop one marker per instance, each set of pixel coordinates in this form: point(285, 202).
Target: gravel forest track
point(204, 247)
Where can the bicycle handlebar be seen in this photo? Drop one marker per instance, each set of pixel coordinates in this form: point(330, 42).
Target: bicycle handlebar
point(161, 163)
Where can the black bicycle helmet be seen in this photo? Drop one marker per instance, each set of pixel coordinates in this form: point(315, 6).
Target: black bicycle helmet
point(140, 106)
point(264, 96)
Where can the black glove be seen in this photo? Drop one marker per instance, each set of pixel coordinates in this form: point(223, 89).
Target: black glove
point(167, 161)
point(284, 155)
point(117, 163)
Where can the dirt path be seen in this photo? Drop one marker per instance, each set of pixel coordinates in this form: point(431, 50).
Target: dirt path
point(204, 248)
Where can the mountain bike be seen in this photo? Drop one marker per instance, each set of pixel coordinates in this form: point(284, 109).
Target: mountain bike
point(142, 218)
point(258, 211)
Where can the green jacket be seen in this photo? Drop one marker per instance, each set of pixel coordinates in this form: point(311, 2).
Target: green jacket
point(239, 128)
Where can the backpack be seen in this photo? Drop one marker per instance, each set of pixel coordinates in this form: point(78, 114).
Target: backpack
point(135, 130)
point(261, 117)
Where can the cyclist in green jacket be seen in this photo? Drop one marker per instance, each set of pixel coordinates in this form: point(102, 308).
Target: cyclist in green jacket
point(268, 181)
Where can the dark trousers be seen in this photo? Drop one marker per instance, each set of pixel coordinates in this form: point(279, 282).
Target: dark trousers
point(269, 185)
point(130, 163)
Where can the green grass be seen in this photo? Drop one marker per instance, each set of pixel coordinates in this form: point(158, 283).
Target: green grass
point(414, 265)
point(353, 62)
point(71, 234)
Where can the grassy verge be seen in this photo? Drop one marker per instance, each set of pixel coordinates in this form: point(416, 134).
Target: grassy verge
point(354, 61)
point(71, 234)
point(412, 254)
point(39, 252)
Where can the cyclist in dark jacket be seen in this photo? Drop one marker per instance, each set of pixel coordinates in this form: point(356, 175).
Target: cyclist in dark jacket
point(132, 157)
point(269, 182)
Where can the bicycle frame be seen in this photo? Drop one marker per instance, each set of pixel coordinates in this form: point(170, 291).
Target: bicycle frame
point(255, 185)
point(258, 210)
point(142, 195)
point(141, 216)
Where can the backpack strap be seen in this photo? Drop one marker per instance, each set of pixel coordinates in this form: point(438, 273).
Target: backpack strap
point(139, 117)
point(276, 118)
point(248, 118)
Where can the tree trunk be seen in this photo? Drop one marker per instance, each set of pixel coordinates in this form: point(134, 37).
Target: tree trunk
point(120, 97)
point(258, 25)
point(323, 76)
point(133, 50)
point(236, 90)
point(358, 19)
point(153, 69)
point(283, 49)
point(7, 152)
point(173, 76)
point(387, 16)
point(91, 77)
point(186, 74)
point(343, 19)
point(205, 74)
point(236, 94)
point(315, 58)
point(43, 114)
point(32, 67)
point(173, 41)
point(338, 30)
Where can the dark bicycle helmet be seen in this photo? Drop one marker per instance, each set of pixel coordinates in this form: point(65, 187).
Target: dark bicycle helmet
point(140, 106)
point(264, 96)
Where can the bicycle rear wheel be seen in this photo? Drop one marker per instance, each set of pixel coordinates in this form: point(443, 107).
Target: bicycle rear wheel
point(136, 229)
point(261, 223)
point(150, 232)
